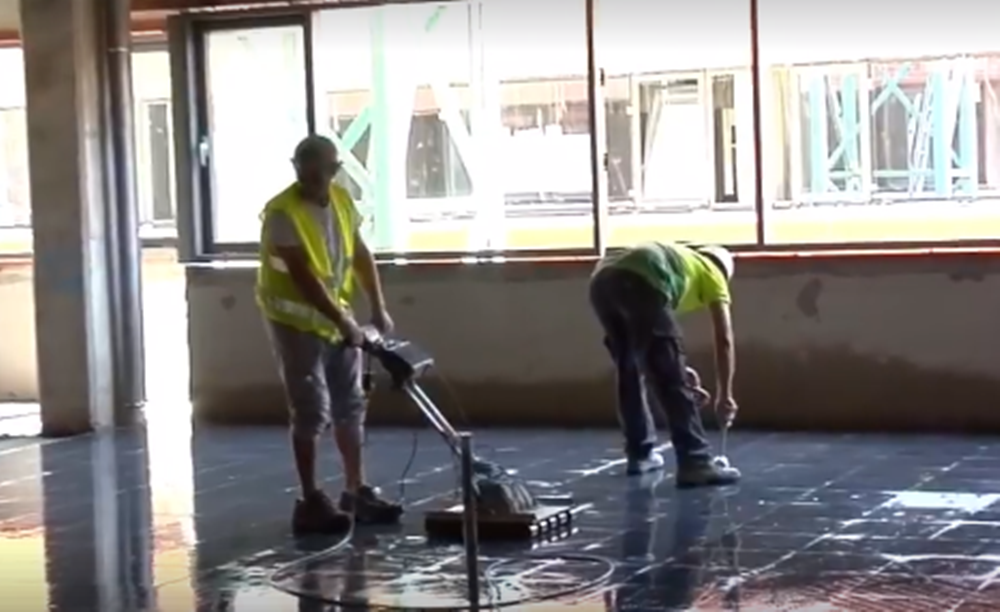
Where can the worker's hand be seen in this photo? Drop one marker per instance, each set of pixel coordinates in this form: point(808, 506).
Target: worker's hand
point(382, 321)
point(725, 410)
point(693, 380)
point(701, 397)
point(353, 335)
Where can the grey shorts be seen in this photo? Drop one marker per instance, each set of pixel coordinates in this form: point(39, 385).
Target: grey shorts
point(323, 381)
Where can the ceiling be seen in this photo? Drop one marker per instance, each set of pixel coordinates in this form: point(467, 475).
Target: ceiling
point(10, 9)
point(154, 10)
point(143, 10)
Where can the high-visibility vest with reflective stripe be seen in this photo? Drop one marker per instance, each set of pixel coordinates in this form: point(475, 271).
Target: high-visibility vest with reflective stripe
point(277, 296)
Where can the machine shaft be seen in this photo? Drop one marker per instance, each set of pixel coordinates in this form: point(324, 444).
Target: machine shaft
point(470, 520)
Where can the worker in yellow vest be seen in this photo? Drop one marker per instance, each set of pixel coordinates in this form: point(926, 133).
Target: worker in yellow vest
point(637, 294)
point(311, 252)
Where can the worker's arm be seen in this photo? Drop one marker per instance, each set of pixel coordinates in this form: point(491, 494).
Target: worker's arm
point(367, 271)
point(312, 288)
point(725, 350)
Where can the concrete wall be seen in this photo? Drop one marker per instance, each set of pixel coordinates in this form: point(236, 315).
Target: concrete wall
point(849, 343)
point(890, 343)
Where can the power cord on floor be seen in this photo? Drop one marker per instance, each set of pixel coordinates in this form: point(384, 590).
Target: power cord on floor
point(463, 416)
point(281, 576)
point(368, 383)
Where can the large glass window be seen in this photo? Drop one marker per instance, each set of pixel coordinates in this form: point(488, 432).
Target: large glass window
point(881, 130)
point(678, 113)
point(463, 126)
point(154, 143)
point(15, 195)
point(395, 87)
point(153, 146)
point(537, 141)
point(256, 110)
point(15, 200)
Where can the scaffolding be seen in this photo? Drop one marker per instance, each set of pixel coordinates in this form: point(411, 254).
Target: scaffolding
point(387, 119)
point(941, 133)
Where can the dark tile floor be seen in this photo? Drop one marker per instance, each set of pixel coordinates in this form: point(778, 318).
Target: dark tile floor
point(174, 522)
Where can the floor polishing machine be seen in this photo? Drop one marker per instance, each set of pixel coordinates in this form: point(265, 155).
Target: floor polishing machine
point(504, 507)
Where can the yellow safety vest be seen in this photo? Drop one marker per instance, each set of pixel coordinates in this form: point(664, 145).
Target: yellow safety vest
point(277, 296)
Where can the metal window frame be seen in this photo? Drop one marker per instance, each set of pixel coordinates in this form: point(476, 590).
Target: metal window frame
point(195, 209)
point(186, 34)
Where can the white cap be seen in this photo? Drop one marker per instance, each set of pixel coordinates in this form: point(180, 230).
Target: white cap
point(722, 256)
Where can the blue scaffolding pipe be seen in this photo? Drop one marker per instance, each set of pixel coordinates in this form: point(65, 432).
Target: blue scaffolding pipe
point(846, 152)
point(940, 135)
point(945, 122)
point(819, 146)
point(968, 137)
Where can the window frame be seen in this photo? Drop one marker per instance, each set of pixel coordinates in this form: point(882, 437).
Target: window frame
point(200, 237)
point(187, 35)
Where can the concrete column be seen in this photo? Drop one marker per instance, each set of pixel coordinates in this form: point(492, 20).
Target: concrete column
point(73, 309)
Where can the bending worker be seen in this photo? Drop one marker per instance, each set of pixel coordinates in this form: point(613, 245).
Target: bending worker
point(310, 253)
point(636, 294)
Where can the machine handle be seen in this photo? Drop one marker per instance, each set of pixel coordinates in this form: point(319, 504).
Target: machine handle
point(373, 338)
point(370, 344)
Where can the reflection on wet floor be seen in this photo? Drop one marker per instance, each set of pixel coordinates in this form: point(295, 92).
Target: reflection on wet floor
point(175, 521)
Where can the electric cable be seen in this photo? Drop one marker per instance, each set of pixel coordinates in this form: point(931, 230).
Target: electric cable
point(489, 575)
point(368, 383)
point(369, 386)
point(463, 416)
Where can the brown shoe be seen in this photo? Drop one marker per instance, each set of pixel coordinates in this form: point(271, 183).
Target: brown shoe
point(316, 515)
point(369, 508)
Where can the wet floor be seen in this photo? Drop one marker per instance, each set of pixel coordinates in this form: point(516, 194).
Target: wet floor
point(172, 521)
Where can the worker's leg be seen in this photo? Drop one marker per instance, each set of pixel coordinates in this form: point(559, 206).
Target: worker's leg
point(634, 415)
point(300, 358)
point(657, 341)
point(344, 376)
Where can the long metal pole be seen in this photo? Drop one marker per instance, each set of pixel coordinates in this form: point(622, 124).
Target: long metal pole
point(596, 123)
point(107, 38)
point(760, 206)
point(471, 533)
point(130, 387)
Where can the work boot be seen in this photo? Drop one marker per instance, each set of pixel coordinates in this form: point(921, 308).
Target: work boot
point(315, 514)
point(643, 465)
point(369, 508)
point(706, 473)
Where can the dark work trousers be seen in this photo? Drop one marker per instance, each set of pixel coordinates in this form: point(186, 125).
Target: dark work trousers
point(645, 342)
